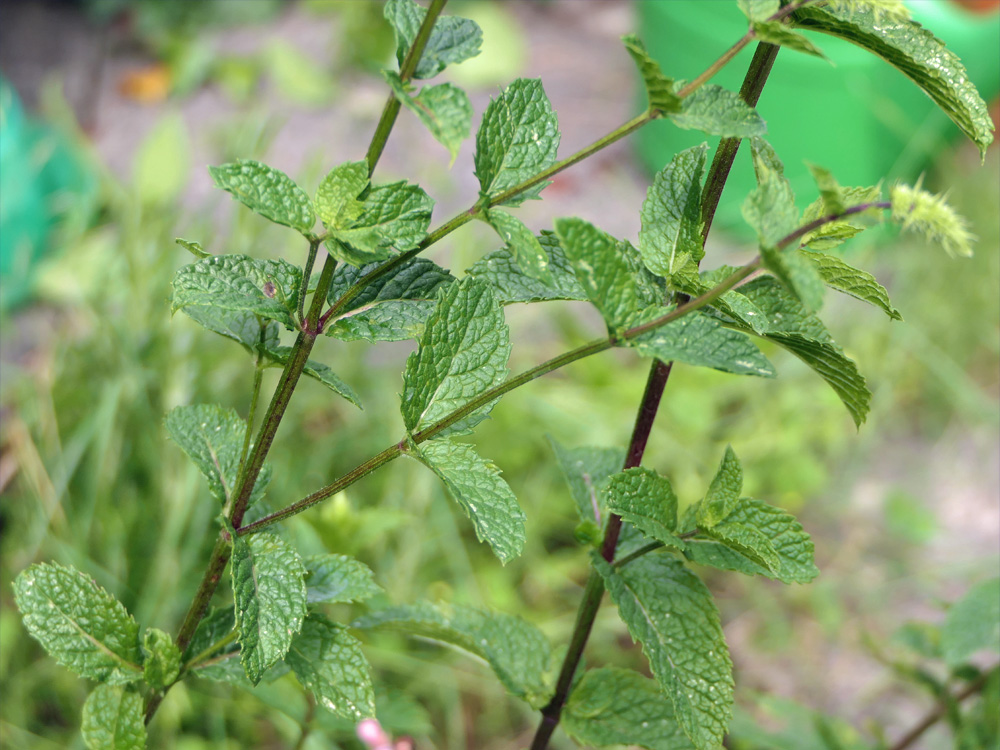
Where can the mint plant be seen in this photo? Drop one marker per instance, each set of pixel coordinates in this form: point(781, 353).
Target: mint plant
point(645, 543)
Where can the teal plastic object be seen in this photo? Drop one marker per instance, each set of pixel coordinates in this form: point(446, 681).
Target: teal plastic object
point(860, 118)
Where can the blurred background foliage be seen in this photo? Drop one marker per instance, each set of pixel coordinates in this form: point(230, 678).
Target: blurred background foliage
point(89, 478)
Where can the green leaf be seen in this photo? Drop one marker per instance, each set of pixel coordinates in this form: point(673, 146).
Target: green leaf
point(645, 499)
point(699, 340)
point(395, 218)
point(776, 32)
point(267, 192)
point(161, 659)
point(463, 352)
point(659, 88)
point(212, 629)
point(445, 110)
point(517, 139)
point(512, 283)
point(843, 277)
point(328, 662)
point(193, 247)
point(831, 194)
point(670, 236)
point(79, 624)
point(270, 596)
point(338, 578)
point(612, 706)
point(671, 613)
point(973, 624)
point(213, 438)
point(748, 541)
point(784, 313)
point(792, 545)
point(113, 719)
point(238, 283)
point(723, 493)
point(317, 371)
point(734, 305)
point(770, 209)
point(796, 273)
point(759, 10)
point(588, 471)
point(337, 202)
point(528, 251)
point(718, 111)
point(517, 651)
point(253, 333)
point(833, 233)
point(917, 53)
point(476, 485)
point(452, 39)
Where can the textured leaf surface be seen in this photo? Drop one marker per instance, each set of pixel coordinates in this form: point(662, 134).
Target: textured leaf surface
point(237, 283)
point(792, 545)
point(796, 273)
point(776, 32)
point(973, 624)
point(918, 54)
point(245, 328)
point(671, 613)
point(270, 596)
point(645, 499)
point(611, 706)
point(339, 578)
point(445, 110)
point(266, 191)
point(659, 88)
point(670, 236)
point(81, 625)
point(517, 651)
point(212, 629)
point(843, 277)
point(718, 111)
point(161, 658)
point(328, 662)
point(588, 471)
point(112, 719)
point(476, 485)
point(528, 251)
point(337, 201)
point(734, 305)
point(392, 320)
point(317, 371)
point(511, 283)
point(452, 39)
point(724, 492)
point(770, 209)
point(394, 217)
point(463, 352)
point(518, 138)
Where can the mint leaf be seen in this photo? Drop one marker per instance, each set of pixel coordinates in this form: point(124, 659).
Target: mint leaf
point(338, 578)
point(194, 248)
point(253, 333)
point(452, 40)
point(528, 251)
point(759, 10)
point(748, 541)
point(784, 313)
point(317, 371)
point(476, 485)
point(268, 192)
point(670, 237)
point(796, 273)
point(612, 706)
point(587, 471)
point(161, 659)
point(723, 493)
point(834, 233)
point(972, 624)
point(843, 277)
point(792, 545)
point(212, 629)
point(517, 651)
point(671, 613)
point(463, 352)
point(770, 209)
point(512, 283)
point(733, 305)
point(718, 111)
point(659, 88)
point(328, 662)
point(79, 624)
point(445, 110)
point(113, 720)
point(213, 438)
point(646, 500)
point(392, 320)
point(915, 52)
point(337, 202)
point(517, 139)
point(270, 597)
point(831, 195)
point(776, 32)
point(395, 217)
point(238, 283)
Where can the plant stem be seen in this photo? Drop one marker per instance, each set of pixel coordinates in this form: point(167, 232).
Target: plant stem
point(306, 273)
point(817, 223)
point(941, 710)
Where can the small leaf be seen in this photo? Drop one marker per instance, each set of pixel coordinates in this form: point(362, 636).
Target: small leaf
point(770, 209)
point(337, 201)
point(112, 719)
point(512, 283)
point(193, 247)
point(671, 613)
point(463, 352)
point(528, 251)
point(476, 485)
point(759, 10)
point(395, 218)
point(718, 111)
point(723, 494)
point(800, 276)
point(338, 578)
point(833, 233)
point(162, 659)
point(445, 110)
point(270, 596)
point(587, 471)
point(645, 499)
point(776, 32)
point(748, 541)
point(452, 39)
point(267, 192)
point(212, 629)
point(930, 215)
point(79, 624)
point(517, 651)
point(328, 662)
point(671, 215)
point(612, 706)
point(317, 371)
point(861, 285)
point(659, 88)
point(517, 139)
point(830, 193)
point(973, 624)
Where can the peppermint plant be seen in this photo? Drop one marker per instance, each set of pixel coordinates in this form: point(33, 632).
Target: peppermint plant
point(262, 610)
